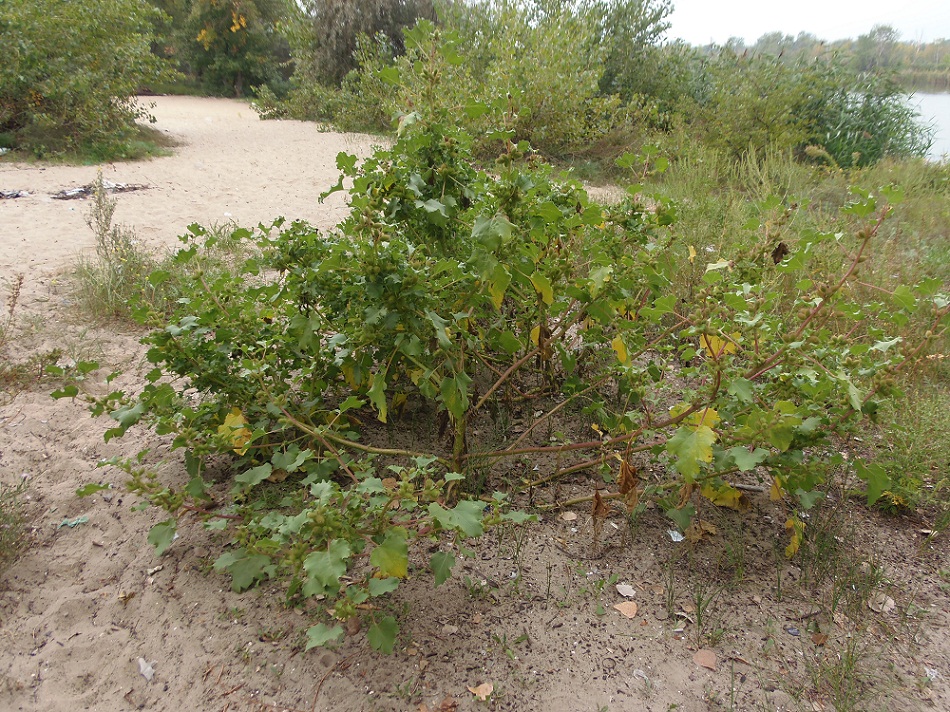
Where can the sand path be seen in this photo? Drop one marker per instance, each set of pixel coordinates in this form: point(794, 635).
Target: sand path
point(230, 166)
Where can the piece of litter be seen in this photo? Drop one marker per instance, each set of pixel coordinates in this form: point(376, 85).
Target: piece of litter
point(153, 571)
point(626, 590)
point(675, 535)
point(932, 673)
point(146, 669)
point(73, 523)
point(792, 630)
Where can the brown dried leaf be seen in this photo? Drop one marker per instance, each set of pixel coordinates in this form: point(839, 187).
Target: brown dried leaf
point(448, 704)
point(705, 658)
point(600, 510)
point(779, 253)
point(819, 638)
point(631, 500)
point(686, 493)
point(483, 691)
point(627, 609)
point(390, 483)
point(693, 533)
point(568, 517)
point(628, 478)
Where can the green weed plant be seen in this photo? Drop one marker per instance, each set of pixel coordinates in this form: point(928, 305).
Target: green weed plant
point(454, 294)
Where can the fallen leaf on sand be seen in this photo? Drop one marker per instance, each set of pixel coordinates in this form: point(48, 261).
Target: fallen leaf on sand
point(569, 517)
point(819, 638)
point(627, 608)
point(705, 658)
point(482, 691)
point(626, 590)
point(882, 603)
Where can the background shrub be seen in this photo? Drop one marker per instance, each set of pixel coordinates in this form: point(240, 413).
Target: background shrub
point(69, 73)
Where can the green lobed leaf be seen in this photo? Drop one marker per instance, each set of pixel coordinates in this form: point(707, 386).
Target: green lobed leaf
point(91, 488)
point(245, 569)
point(377, 396)
point(691, 446)
point(465, 517)
point(877, 478)
point(162, 535)
point(379, 587)
point(255, 475)
point(442, 563)
point(321, 634)
point(741, 388)
point(129, 415)
point(746, 460)
point(683, 516)
point(382, 634)
point(324, 568)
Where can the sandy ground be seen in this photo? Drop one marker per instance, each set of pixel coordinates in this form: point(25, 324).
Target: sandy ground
point(230, 167)
point(88, 601)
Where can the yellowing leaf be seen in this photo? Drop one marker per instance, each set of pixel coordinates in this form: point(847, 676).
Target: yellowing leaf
point(707, 416)
point(724, 496)
point(535, 335)
point(692, 254)
point(621, 348)
point(398, 401)
point(350, 376)
point(543, 285)
point(796, 528)
point(777, 492)
point(233, 429)
point(691, 446)
point(716, 347)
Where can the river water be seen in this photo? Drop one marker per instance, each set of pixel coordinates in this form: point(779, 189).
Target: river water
point(935, 110)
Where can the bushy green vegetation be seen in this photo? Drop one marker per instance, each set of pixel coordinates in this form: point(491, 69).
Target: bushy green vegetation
point(451, 295)
point(760, 102)
point(590, 80)
point(229, 46)
point(122, 278)
point(69, 73)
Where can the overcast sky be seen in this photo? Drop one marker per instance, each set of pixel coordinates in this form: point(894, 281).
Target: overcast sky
point(699, 22)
